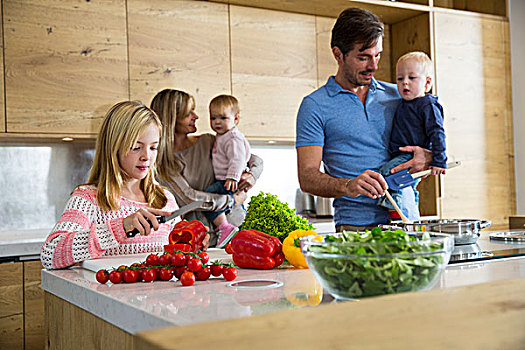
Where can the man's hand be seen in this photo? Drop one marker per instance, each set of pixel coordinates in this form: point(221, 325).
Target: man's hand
point(420, 161)
point(368, 183)
point(246, 182)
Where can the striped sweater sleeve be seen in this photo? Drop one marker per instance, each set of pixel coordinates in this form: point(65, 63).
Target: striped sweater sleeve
point(77, 236)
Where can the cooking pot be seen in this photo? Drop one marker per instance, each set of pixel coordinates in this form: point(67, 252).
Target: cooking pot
point(304, 202)
point(324, 207)
point(465, 231)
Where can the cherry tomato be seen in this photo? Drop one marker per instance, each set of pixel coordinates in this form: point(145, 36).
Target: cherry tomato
point(179, 270)
point(216, 270)
point(148, 275)
point(187, 278)
point(230, 273)
point(166, 274)
point(188, 258)
point(102, 276)
point(228, 248)
point(130, 276)
point(164, 259)
point(203, 274)
point(157, 272)
point(195, 264)
point(178, 259)
point(115, 277)
point(204, 257)
point(152, 260)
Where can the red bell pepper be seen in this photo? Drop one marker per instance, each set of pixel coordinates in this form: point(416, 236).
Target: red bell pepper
point(191, 233)
point(255, 249)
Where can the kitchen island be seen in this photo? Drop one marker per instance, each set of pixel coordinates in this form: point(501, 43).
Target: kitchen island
point(80, 310)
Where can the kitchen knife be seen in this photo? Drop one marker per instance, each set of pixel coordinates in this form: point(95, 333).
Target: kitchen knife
point(403, 178)
point(162, 219)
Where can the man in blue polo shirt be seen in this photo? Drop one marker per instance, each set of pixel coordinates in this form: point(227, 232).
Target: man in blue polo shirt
point(346, 124)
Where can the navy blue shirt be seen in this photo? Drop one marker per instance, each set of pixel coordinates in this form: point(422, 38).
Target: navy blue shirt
point(354, 137)
point(419, 122)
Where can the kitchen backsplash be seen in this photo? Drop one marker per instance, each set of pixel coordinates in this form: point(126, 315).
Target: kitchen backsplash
point(36, 179)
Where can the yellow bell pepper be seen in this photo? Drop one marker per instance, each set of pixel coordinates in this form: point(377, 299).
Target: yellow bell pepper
point(292, 250)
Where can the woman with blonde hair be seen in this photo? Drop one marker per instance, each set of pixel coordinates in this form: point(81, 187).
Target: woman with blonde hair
point(185, 161)
point(120, 195)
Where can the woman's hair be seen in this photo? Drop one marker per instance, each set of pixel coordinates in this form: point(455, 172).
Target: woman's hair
point(170, 105)
point(123, 125)
point(356, 26)
point(222, 102)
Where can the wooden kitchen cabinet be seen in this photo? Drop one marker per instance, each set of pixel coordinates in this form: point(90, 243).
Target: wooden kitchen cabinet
point(34, 322)
point(65, 64)
point(2, 96)
point(181, 45)
point(473, 85)
point(271, 75)
point(11, 306)
point(21, 306)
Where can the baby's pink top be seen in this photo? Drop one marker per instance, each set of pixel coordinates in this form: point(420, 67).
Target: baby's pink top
point(230, 155)
point(85, 231)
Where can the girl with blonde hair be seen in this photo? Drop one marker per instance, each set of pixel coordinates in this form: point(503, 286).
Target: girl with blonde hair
point(185, 162)
point(120, 195)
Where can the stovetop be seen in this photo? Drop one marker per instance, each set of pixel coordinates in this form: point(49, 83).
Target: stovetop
point(486, 248)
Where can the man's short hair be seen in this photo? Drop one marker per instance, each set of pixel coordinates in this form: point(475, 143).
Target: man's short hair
point(356, 26)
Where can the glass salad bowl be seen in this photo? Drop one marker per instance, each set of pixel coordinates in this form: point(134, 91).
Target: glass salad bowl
point(352, 265)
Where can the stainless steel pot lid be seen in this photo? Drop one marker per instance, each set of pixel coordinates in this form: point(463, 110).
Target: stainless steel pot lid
point(508, 236)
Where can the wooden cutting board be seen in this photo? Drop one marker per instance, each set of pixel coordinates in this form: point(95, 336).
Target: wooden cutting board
point(110, 262)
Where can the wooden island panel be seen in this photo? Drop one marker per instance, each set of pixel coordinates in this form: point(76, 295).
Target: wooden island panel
point(65, 64)
point(472, 317)
point(181, 45)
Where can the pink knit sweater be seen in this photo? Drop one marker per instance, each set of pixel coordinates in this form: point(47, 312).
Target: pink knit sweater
point(85, 231)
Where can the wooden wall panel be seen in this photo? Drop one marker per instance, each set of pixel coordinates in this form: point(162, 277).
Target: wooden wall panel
point(473, 73)
point(326, 63)
point(34, 306)
point(273, 67)
point(11, 306)
point(66, 63)
point(182, 45)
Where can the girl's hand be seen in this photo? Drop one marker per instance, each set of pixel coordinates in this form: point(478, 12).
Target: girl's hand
point(143, 219)
point(230, 185)
point(246, 182)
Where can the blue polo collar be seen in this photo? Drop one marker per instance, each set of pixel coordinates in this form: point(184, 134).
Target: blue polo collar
point(333, 88)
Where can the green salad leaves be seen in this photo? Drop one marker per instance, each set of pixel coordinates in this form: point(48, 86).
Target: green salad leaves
point(266, 213)
point(376, 262)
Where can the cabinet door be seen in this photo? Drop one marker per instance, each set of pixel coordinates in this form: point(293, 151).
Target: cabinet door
point(65, 63)
point(181, 45)
point(273, 67)
point(33, 306)
point(11, 306)
point(473, 85)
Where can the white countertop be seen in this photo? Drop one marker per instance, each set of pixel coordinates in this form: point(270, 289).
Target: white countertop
point(26, 244)
point(142, 306)
point(22, 243)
